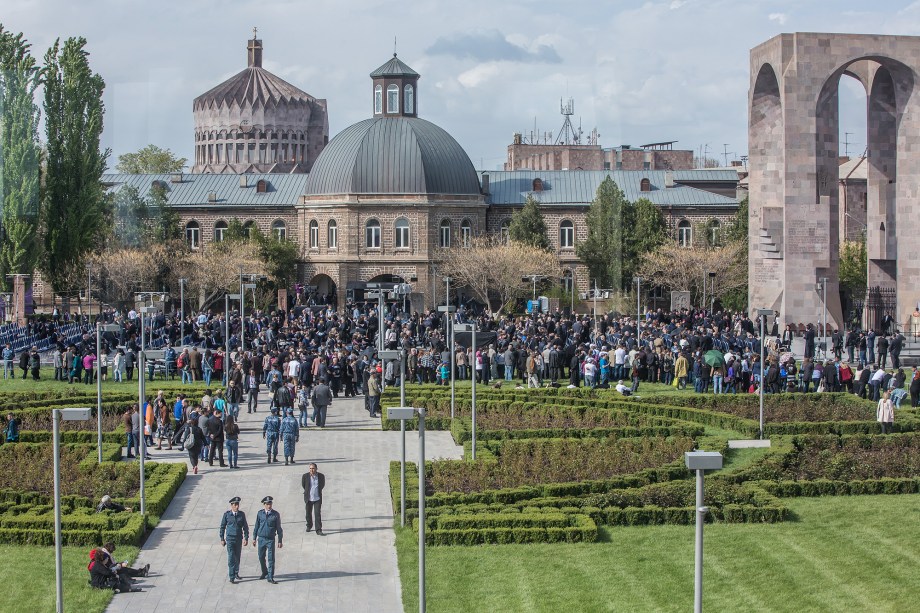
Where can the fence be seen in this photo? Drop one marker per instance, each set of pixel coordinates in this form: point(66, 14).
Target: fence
point(871, 310)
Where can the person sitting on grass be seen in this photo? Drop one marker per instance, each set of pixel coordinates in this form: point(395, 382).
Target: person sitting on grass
point(104, 578)
point(107, 504)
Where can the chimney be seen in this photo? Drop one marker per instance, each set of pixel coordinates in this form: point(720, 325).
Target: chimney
point(485, 183)
point(175, 177)
point(668, 179)
point(254, 55)
point(516, 139)
point(212, 196)
point(243, 181)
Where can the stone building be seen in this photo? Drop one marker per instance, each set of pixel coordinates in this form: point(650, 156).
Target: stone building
point(653, 156)
point(389, 192)
point(257, 122)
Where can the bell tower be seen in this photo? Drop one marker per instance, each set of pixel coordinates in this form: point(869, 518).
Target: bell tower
point(395, 90)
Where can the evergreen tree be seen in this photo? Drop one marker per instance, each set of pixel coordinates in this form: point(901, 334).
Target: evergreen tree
point(20, 157)
point(76, 211)
point(646, 231)
point(527, 225)
point(167, 224)
point(603, 250)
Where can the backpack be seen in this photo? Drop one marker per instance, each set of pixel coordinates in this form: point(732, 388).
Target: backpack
point(181, 361)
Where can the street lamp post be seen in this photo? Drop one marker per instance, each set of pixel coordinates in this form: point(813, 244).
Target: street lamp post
point(700, 461)
point(142, 393)
point(56, 416)
point(99, 329)
point(712, 292)
point(448, 311)
point(227, 299)
point(638, 302)
point(181, 311)
point(398, 355)
point(762, 313)
point(573, 291)
point(824, 325)
point(472, 328)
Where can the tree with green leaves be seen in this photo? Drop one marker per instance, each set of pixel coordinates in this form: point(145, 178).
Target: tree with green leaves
point(150, 160)
point(166, 226)
point(527, 225)
point(646, 231)
point(131, 215)
point(75, 209)
point(853, 267)
point(20, 157)
point(603, 250)
point(736, 232)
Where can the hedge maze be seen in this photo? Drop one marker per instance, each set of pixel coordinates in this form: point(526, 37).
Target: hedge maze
point(554, 464)
point(26, 473)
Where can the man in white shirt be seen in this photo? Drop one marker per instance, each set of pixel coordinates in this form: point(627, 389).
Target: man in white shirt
point(313, 483)
point(293, 368)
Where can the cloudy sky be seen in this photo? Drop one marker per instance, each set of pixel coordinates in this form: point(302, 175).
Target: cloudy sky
point(639, 72)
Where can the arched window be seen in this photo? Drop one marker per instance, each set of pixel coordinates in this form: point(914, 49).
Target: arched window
point(538, 185)
point(402, 233)
point(466, 233)
point(261, 186)
point(193, 234)
point(504, 231)
point(409, 102)
point(372, 234)
point(392, 98)
point(684, 234)
point(247, 229)
point(566, 234)
point(220, 228)
point(444, 234)
point(715, 232)
point(378, 99)
point(332, 235)
point(645, 185)
point(314, 234)
point(279, 230)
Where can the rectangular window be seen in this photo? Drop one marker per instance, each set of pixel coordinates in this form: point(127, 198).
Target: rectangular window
point(466, 235)
point(372, 237)
point(566, 237)
point(193, 237)
point(314, 236)
point(333, 237)
point(402, 237)
point(445, 237)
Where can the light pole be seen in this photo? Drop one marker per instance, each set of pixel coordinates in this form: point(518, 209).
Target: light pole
point(762, 313)
point(243, 288)
point(700, 461)
point(573, 290)
point(56, 416)
point(712, 292)
point(402, 414)
point(181, 311)
point(142, 393)
point(398, 355)
point(824, 325)
point(227, 299)
point(472, 328)
point(448, 311)
point(99, 329)
point(638, 303)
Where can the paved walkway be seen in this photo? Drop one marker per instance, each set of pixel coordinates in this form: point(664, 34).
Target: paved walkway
point(352, 568)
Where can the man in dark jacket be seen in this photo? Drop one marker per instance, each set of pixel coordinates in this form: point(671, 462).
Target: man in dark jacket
point(829, 378)
point(808, 368)
point(810, 341)
point(215, 434)
point(321, 399)
point(894, 348)
point(882, 345)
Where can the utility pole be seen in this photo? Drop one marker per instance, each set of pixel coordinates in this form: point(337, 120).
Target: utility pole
point(725, 153)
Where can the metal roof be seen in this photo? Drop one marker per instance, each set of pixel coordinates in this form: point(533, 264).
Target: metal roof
point(567, 187)
point(394, 67)
point(393, 155)
point(195, 189)
point(251, 86)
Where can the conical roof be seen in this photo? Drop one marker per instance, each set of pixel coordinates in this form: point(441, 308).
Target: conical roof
point(395, 67)
point(253, 86)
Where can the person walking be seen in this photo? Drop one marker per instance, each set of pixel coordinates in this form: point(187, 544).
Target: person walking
point(215, 431)
point(290, 435)
point(234, 535)
point(884, 413)
point(234, 398)
point(266, 529)
point(313, 483)
point(194, 441)
point(271, 428)
point(373, 394)
point(232, 440)
point(252, 391)
point(321, 399)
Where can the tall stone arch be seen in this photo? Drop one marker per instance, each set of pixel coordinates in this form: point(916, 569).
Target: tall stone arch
point(793, 139)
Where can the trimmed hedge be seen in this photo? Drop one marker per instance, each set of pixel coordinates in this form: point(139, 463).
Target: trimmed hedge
point(506, 528)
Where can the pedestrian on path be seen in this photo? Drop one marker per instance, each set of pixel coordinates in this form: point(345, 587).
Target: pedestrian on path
point(215, 432)
point(321, 399)
point(268, 526)
point(234, 534)
point(313, 483)
point(373, 394)
point(193, 443)
point(290, 435)
point(232, 439)
point(271, 428)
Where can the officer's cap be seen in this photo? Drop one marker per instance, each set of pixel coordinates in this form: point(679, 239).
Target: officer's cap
point(235, 500)
point(274, 409)
point(267, 500)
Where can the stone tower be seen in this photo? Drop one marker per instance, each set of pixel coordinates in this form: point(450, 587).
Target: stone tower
point(257, 122)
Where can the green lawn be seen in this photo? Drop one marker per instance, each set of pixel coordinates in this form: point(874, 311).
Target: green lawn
point(841, 554)
point(47, 382)
point(27, 577)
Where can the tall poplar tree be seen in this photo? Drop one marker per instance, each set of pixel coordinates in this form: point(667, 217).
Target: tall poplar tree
point(20, 157)
point(603, 250)
point(527, 225)
point(76, 212)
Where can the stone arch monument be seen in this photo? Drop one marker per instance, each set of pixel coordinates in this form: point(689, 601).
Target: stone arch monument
point(794, 143)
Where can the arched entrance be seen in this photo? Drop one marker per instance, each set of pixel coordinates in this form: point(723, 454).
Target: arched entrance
point(320, 290)
point(794, 179)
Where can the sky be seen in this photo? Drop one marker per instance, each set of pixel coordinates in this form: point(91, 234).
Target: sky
point(639, 72)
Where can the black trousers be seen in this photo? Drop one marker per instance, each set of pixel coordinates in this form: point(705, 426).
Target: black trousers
point(218, 447)
point(314, 514)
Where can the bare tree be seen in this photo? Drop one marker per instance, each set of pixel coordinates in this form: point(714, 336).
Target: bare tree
point(126, 270)
point(493, 269)
point(215, 268)
point(684, 268)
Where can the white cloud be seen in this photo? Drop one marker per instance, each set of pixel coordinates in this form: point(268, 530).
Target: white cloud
point(779, 18)
point(676, 4)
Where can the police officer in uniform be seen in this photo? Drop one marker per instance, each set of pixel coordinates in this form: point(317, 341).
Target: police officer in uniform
point(234, 534)
point(290, 434)
point(270, 431)
point(268, 525)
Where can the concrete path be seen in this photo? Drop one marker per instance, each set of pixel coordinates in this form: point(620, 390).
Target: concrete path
point(352, 568)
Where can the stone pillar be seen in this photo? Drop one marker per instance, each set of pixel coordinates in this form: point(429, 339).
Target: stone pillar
point(19, 299)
